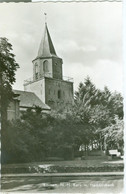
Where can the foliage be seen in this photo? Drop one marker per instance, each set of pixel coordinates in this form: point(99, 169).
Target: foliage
point(8, 66)
point(114, 134)
point(97, 109)
point(36, 137)
point(95, 116)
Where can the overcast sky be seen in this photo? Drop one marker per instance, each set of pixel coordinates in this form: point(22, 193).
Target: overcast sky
point(87, 36)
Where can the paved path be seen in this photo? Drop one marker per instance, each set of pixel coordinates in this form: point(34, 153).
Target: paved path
point(79, 183)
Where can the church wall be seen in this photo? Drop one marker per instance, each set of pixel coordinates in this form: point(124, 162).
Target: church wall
point(57, 68)
point(37, 87)
point(58, 93)
point(13, 110)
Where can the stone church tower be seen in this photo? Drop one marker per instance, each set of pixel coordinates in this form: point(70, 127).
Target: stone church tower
point(48, 82)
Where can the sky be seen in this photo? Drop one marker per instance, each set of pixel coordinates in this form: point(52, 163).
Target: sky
point(87, 36)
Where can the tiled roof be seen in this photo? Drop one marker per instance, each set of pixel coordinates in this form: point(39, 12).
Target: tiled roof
point(46, 48)
point(30, 100)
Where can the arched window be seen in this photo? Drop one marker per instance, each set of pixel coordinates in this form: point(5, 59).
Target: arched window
point(36, 70)
point(59, 94)
point(45, 66)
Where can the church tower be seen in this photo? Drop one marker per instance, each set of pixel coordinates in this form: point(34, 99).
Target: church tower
point(47, 63)
point(48, 82)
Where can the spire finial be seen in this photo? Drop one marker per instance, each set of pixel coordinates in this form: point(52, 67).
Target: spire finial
point(45, 18)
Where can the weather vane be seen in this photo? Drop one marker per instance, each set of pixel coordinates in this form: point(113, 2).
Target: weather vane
point(45, 17)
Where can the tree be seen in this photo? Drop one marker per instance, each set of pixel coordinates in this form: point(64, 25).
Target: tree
point(114, 135)
point(8, 67)
point(97, 109)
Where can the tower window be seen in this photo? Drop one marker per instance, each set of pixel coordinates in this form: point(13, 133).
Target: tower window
point(59, 94)
point(36, 70)
point(45, 66)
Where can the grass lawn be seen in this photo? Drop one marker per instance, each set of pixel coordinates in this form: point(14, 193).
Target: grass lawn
point(71, 163)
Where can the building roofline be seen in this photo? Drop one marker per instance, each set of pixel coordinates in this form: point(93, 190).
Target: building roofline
point(53, 56)
point(27, 82)
point(34, 107)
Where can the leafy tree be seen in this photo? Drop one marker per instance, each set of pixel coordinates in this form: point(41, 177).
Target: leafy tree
point(97, 109)
point(8, 67)
point(117, 109)
point(38, 136)
point(114, 135)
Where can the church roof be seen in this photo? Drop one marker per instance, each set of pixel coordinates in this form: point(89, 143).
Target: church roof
point(30, 100)
point(46, 48)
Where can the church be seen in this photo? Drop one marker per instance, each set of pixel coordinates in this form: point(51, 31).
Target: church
point(47, 88)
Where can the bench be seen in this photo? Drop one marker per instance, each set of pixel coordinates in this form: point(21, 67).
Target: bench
point(114, 153)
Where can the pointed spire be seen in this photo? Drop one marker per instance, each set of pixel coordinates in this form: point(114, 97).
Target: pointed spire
point(46, 48)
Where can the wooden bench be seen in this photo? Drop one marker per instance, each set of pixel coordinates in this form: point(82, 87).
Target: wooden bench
point(114, 153)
